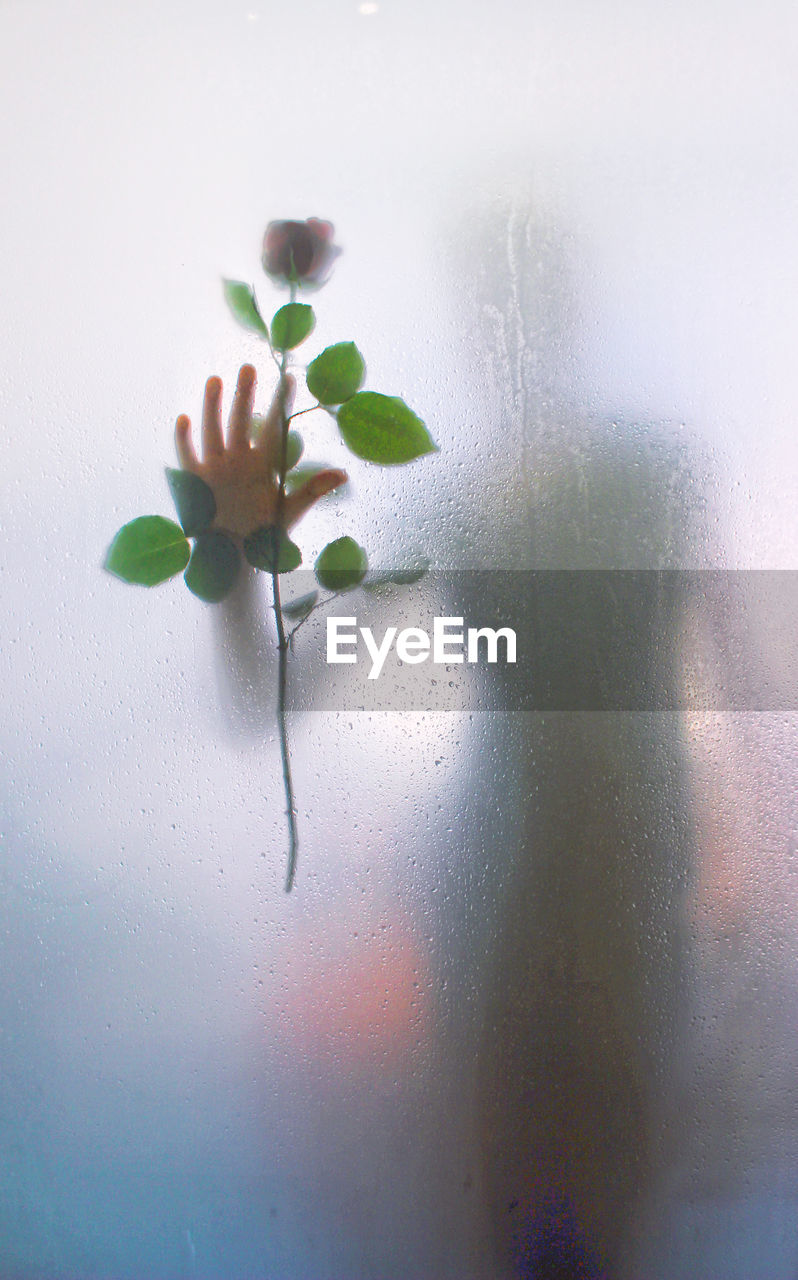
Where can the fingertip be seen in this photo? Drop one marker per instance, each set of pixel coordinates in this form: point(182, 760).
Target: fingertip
point(326, 481)
point(184, 444)
point(213, 387)
point(247, 374)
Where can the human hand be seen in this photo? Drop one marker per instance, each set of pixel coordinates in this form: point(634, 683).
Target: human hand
point(243, 471)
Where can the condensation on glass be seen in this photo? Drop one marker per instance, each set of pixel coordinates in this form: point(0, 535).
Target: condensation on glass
point(529, 1010)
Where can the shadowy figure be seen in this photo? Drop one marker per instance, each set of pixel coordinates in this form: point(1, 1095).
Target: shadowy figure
point(585, 935)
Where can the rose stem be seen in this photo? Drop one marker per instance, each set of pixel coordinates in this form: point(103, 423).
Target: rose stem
point(282, 639)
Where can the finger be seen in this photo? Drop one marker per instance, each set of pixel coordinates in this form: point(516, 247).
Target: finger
point(240, 422)
point(269, 436)
point(186, 453)
point(212, 439)
point(296, 504)
point(276, 409)
point(266, 438)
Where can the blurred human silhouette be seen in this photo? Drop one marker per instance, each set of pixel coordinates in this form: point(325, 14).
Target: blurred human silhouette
point(583, 1074)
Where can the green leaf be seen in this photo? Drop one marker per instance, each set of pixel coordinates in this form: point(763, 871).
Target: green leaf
point(259, 549)
point(295, 445)
point(291, 325)
point(147, 551)
point(414, 573)
point(341, 565)
point(336, 374)
point(396, 577)
point(194, 500)
point(241, 301)
point(301, 607)
point(213, 567)
point(383, 429)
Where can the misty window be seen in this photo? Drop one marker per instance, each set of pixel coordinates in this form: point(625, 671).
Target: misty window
point(529, 1007)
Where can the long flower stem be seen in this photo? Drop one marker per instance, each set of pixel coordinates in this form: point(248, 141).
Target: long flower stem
point(285, 754)
point(282, 638)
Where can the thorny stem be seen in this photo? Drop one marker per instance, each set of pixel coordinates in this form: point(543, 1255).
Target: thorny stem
point(282, 638)
point(300, 412)
point(319, 603)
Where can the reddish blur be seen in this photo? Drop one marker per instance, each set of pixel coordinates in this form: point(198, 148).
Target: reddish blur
point(361, 997)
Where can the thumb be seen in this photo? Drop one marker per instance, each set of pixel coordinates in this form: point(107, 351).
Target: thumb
point(297, 503)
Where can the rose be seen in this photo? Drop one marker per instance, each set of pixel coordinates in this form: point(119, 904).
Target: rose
point(299, 252)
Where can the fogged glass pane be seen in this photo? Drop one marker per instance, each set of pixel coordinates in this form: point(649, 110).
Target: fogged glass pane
point(528, 1010)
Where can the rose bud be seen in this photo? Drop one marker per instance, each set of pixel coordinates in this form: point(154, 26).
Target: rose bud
point(299, 252)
